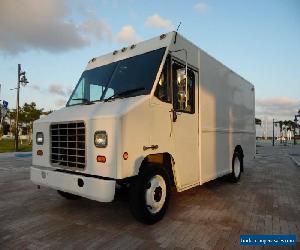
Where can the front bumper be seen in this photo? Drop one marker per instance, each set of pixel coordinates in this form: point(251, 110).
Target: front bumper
point(93, 188)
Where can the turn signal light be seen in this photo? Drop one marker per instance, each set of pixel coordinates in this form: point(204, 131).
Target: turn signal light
point(125, 156)
point(101, 158)
point(39, 152)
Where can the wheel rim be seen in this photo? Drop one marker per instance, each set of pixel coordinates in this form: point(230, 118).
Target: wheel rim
point(237, 167)
point(156, 194)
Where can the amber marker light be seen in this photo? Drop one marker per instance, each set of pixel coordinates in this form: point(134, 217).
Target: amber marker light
point(101, 158)
point(125, 156)
point(39, 152)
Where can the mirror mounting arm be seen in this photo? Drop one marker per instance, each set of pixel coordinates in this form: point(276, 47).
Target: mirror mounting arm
point(174, 114)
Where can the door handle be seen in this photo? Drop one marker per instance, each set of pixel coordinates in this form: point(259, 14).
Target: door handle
point(153, 147)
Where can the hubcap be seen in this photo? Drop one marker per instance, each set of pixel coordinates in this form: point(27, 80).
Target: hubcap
point(155, 194)
point(236, 167)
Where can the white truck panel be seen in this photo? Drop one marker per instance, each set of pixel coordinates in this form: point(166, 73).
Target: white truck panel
point(227, 117)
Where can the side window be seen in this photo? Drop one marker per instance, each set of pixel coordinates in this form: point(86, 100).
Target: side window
point(180, 88)
point(163, 88)
point(78, 94)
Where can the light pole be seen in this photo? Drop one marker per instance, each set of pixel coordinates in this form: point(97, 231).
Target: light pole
point(295, 120)
point(273, 139)
point(275, 125)
point(23, 81)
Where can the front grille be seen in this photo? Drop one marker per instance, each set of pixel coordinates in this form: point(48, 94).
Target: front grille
point(68, 144)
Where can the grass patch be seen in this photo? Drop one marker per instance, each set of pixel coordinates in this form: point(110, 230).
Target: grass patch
point(8, 145)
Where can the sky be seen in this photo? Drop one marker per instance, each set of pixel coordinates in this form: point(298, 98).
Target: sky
point(54, 39)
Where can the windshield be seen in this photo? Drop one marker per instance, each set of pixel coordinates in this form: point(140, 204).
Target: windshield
point(129, 77)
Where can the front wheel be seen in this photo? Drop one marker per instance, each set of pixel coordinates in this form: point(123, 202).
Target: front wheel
point(150, 194)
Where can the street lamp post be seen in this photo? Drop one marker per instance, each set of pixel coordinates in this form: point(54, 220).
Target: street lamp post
point(273, 139)
point(22, 80)
point(295, 120)
point(274, 124)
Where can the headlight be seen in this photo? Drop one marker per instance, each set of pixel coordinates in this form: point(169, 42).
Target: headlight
point(100, 139)
point(39, 138)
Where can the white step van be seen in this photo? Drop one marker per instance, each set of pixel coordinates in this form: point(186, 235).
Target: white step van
point(150, 116)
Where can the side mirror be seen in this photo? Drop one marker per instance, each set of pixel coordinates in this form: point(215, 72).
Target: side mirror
point(182, 88)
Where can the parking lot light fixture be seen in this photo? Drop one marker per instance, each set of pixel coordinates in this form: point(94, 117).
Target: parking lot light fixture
point(22, 80)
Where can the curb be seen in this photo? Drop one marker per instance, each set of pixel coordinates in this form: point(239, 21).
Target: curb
point(295, 161)
point(7, 155)
point(23, 155)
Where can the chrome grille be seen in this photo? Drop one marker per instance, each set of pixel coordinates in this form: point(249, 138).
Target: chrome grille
point(68, 144)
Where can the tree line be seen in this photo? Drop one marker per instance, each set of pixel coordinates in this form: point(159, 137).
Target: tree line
point(287, 124)
point(28, 113)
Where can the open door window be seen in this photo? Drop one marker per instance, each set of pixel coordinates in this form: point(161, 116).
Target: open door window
point(183, 96)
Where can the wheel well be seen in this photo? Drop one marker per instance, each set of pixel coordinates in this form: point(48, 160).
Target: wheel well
point(239, 149)
point(162, 159)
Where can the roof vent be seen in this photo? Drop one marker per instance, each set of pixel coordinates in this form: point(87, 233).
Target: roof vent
point(162, 36)
point(124, 49)
point(115, 52)
point(92, 60)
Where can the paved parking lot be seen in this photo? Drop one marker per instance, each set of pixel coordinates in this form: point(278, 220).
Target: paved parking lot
point(265, 201)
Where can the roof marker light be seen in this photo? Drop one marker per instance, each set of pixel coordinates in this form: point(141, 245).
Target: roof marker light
point(162, 36)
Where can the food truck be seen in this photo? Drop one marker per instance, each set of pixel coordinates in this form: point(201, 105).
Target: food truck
point(155, 116)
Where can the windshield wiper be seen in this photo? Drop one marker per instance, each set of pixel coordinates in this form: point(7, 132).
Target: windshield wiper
point(85, 101)
point(123, 93)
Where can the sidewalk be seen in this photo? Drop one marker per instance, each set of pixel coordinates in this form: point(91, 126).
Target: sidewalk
point(291, 151)
point(295, 155)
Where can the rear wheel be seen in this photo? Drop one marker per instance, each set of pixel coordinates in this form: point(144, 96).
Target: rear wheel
point(237, 165)
point(68, 196)
point(150, 194)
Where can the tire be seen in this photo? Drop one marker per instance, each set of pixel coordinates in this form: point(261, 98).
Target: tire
point(68, 196)
point(150, 194)
point(237, 166)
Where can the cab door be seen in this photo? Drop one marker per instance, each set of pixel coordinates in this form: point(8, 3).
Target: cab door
point(185, 124)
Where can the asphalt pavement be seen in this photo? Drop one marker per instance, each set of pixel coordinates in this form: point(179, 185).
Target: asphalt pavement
point(213, 216)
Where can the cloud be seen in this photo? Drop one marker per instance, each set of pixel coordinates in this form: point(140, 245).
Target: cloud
point(277, 107)
point(35, 87)
point(44, 25)
point(128, 35)
point(97, 28)
point(69, 90)
point(59, 89)
point(201, 7)
point(60, 103)
point(156, 21)
point(276, 102)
